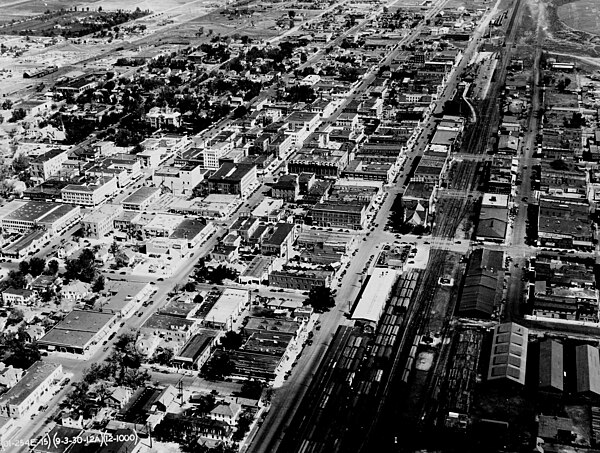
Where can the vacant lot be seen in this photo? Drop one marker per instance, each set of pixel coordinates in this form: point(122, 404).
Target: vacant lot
point(258, 24)
point(581, 15)
point(21, 9)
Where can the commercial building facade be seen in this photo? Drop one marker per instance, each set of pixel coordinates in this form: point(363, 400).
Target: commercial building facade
point(340, 215)
point(32, 389)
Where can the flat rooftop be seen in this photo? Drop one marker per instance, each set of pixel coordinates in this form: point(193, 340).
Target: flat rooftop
point(67, 338)
point(281, 233)
point(318, 155)
point(224, 199)
point(24, 241)
point(34, 376)
point(308, 237)
point(444, 137)
point(58, 213)
point(84, 321)
point(140, 195)
point(373, 299)
point(335, 206)
point(495, 200)
point(197, 344)
point(188, 229)
point(168, 222)
point(365, 166)
point(228, 303)
point(231, 173)
point(31, 211)
point(121, 293)
point(166, 322)
point(258, 266)
point(47, 156)
point(102, 212)
point(10, 207)
point(266, 206)
point(179, 308)
point(275, 325)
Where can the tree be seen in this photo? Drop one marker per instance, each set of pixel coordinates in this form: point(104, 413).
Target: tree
point(7, 104)
point(127, 361)
point(97, 372)
point(20, 163)
point(204, 403)
point(24, 267)
point(243, 426)
point(16, 279)
point(79, 399)
point(53, 267)
point(219, 366)
point(163, 356)
point(121, 259)
point(189, 287)
point(135, 378)
point(15, 317)
point(83, 268)
point(397, 218)
point(320, 298)
point(21, 354)
point(291, 14)
point(17, 115)
point(300, 93)
point(220, 273)
point(252, 389)
point(240, 112)
point(98, 285)
point(577, 120)
point(418, 230)
point(48, 294)
point(36, 266)
point(231, 340)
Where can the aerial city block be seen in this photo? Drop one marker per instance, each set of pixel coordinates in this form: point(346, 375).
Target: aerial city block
point(312, 226)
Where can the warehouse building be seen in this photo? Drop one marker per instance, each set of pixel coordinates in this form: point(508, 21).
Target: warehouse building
point(551, 367)
point(508, 358)
point(587, 362)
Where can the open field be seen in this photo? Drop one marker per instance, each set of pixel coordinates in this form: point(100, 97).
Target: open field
point(261, 24)
point(470, 4)
point(581, 15)
point(68, 24)
point(20, 9)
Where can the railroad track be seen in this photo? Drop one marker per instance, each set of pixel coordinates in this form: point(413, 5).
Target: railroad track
point(489, 113)
point(450, 213)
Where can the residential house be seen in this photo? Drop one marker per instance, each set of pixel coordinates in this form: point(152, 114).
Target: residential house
point(76, 290)
point(17, 296)
point(227, 413)
point(119, 397)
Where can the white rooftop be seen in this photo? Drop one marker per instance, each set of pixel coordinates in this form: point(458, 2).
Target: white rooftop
point(227, 305)
point(495, 200)
point(373, 299)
